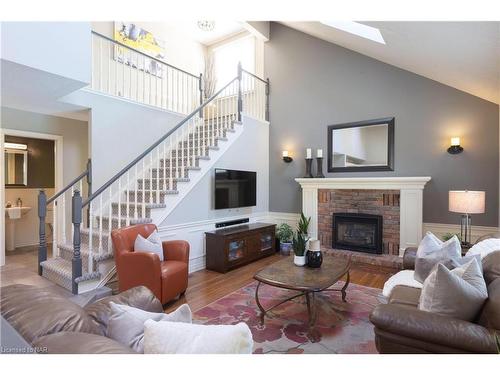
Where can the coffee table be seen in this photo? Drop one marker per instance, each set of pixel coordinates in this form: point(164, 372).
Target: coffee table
point(307, 281)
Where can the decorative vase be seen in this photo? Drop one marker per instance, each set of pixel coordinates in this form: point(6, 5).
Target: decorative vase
point(314, 255)
point(285, 248)
point(299, 260)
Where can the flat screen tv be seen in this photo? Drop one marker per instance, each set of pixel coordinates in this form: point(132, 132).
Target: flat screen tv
point(235, 188)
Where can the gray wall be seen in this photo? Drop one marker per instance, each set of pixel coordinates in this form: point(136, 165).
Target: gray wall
point(315, 83)
point(74, 133)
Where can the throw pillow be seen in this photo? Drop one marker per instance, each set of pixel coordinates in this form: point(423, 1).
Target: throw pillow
point(432, 251)
point(152, 244)
point(459, 293)
point(485, 247)
point(491, 267)
point(126, 324)
point(182, 338)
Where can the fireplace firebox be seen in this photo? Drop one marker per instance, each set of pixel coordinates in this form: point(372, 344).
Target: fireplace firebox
point(357, 232)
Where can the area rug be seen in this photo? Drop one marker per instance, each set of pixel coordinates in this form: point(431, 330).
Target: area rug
point(341, 327)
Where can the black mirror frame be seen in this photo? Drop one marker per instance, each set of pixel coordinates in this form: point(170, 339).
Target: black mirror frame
point(390, 145)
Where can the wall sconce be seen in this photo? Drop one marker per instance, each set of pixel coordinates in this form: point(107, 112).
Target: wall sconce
point(455, 147)
point(286, 157)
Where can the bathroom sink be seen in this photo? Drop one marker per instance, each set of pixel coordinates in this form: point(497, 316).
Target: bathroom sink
point(11, 212)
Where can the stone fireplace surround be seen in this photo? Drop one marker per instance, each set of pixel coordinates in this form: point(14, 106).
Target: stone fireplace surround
point(410, 203)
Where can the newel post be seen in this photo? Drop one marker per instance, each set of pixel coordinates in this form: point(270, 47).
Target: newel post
point(267, 99)
point(240, 98)
point(42, 212)
point(76, 218)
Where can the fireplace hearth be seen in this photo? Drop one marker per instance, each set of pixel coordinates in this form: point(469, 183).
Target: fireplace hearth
point(357, 232)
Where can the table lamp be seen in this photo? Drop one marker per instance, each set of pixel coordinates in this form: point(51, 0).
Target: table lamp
point(466, 202)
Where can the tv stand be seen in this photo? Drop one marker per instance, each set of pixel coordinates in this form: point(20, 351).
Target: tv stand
point(233, 247)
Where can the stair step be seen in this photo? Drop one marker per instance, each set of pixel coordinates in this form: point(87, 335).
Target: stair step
point(66, 252)
point(142, 208)
point(197, 142)
point(149, 196)
point(85, 233)
point(159, 183)
point(189, 152)
point(120, 222)
point(59, 271)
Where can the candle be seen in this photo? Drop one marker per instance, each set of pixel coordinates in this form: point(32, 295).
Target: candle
point(285, 154)
point(320, 153)
point(308, 153)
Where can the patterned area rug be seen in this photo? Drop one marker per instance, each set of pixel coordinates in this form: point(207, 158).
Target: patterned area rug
point(341, 327)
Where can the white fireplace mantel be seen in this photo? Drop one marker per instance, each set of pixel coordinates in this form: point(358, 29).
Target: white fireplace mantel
point(411, 201)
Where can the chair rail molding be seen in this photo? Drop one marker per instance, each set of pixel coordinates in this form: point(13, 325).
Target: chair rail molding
point(411, 201)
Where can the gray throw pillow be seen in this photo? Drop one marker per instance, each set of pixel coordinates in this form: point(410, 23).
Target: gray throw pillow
point(152, 244)
point(459, 293)
point(432, 251)
point(126, 324)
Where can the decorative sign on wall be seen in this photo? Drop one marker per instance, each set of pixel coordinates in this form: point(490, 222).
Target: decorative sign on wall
point(142, 40)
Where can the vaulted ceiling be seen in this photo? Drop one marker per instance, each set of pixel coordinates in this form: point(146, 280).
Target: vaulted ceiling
point(464, 55)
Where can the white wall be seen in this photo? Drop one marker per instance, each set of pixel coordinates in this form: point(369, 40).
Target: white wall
point(61, 48)
point(120, 130)
point(195, 214)
point(180, 51)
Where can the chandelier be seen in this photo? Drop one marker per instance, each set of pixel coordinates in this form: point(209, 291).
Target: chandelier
point(206, 25)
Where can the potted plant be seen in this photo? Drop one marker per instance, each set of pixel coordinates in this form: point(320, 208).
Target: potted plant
point(284, 233)
point(300, 239)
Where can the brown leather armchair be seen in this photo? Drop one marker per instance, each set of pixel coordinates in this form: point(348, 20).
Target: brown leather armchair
point(166, 279)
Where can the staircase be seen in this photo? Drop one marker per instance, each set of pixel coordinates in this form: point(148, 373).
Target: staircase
point(146, 190)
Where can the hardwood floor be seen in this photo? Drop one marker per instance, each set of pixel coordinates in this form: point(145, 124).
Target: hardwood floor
point(206, 286)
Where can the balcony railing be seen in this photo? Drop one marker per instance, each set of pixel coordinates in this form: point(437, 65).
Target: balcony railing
point(125, 72)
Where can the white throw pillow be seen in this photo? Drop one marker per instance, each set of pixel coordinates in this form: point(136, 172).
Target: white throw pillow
point(182, 338)
point(459, 293)
point(404, 277)
point(152, 244)
point(485, 247)
point(126, 323)
point(431, 251)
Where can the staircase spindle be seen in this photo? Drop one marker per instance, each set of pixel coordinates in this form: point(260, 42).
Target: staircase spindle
point(101, 211)
point(110, 210)
point(136, 190)
point(55, 228)
point(91, 238)
point(127, 184)
point(42, 212)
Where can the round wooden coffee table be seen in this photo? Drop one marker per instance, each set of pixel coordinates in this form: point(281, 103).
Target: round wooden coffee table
point(307, 281)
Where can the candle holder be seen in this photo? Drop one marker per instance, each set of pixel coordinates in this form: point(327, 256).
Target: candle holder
point(309, 168)
point(319, 173)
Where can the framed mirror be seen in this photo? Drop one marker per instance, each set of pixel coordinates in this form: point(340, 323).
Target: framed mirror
point(16, 167)
point(361, 146)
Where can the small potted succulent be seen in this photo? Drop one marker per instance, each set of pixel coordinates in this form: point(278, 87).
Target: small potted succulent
point(300, 239)
point(284, 233)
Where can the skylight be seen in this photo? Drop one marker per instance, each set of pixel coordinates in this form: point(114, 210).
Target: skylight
point(358, 29)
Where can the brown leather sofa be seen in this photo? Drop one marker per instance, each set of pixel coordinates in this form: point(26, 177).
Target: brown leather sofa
point(400, 327)
point(52, 324)
point(167, 279)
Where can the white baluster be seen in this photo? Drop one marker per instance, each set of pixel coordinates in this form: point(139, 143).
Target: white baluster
point(110, 219)
point(109, 57)
point(158, 180)
point(63, 215)
point(91, 239)
point(171, 161)
point(136, 191)
point(100, 223)
point(55, 228)
point(127, 197)
point(120, 200)
point(164, 157)
point(144, 179)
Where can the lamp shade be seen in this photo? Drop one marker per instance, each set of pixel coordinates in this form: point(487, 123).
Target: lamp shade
point(466, 201)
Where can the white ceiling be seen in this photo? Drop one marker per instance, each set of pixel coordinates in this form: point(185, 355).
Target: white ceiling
point(464, 55)
point(222, 30)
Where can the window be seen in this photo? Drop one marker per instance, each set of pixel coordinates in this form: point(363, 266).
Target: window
point(228, 55)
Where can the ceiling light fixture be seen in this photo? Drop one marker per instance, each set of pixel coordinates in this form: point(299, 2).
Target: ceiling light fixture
point(356, 28)
point(206, 25)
